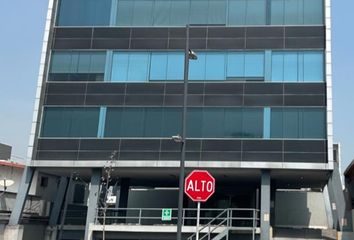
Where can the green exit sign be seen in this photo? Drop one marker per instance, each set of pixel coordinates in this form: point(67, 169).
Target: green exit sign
point(166, 214)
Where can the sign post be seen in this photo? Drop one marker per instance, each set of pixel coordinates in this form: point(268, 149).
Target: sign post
point(199, 186)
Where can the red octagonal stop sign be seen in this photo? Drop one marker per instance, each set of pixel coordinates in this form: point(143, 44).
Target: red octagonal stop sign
point(199, 185)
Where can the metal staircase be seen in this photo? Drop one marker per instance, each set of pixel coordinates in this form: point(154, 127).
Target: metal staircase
point(220, 227)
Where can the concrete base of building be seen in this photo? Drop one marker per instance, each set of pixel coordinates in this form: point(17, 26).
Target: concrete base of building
point(14, 232)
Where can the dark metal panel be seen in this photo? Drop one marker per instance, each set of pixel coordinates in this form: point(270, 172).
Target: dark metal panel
point(64, 99)
point(139, 156)
point(58, 144)
point(111, 43)
point(305, 88)
point(106, 88)
point(197, 43)
point(224, 88)
point(198, 32)
point(73, 32)
point(221, 145)
point(144, 100)
point(304, 146)
point(226, 43)
point(145, 88)
point(111, 32)
point(264, 43)
point(153, 32)
point(305, 31)
point(57, 155)
point(226, 32)
point(263, 100)
point(106, 99)
point(94, 155)
point(223, 100)
point(306, 42)
point(195, 88)
point(262, 156)
point(174, 88)
point(72, 43)
point(140, 145)
point(264, 32)
point(304, 100)
point(305, 157)
point(221, 156)
point(170, 156)
point(262, 145)
point(148, 43)
point(63, 88)
point(99, 144)
point(263, 88)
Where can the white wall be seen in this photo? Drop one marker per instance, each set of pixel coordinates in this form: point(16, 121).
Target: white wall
point(300, 209)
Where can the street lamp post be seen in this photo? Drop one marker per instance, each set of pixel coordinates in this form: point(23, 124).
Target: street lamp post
point(188, 54)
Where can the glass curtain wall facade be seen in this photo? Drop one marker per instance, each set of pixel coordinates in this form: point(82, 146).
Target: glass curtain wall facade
point(115, 73)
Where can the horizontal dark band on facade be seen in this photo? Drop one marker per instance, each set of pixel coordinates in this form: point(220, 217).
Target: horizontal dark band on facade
point(200, 94)
point(309, 151)
point(304, 37)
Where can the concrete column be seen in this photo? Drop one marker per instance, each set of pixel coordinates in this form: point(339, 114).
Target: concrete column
point(13, 232)
point(23, 189)
point(51, 233)
point(54, 215)
point(265, 205)
point(93, 200)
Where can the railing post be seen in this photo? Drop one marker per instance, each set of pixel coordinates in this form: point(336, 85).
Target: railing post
point(140, 213)
point(253, 224)
point(183, 216)
point(209, 233)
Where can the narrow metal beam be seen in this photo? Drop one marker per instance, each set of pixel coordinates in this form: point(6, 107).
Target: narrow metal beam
point(93, 199)
point(69, 193)
point(183, 147)
point(58, 203)
point(23, 189)
point(265, 205)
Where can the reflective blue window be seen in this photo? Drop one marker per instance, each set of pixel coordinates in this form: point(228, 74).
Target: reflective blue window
point(70, 122)
point(298, 123)
point(296, 12)
point(254, 65)
point(84, 13)
point(304, 66)
point(130, 67)
point(166, 66)
point(77, 66)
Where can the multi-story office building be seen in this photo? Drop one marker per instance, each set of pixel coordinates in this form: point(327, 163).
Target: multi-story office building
point(259, 108)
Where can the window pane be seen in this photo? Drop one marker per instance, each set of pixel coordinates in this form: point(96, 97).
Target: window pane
point(158, 67)
point(237, 12)
point(217, 12)
point(291, 123)
point(138, 70)
point(197, 68)
point(172, 122)
point(113, 124)
point(256, 12)
point(276, 123)
point(125, 12)
point(143, 10)
point(194, 120)
point(252, 123)
point(179, 12)
point(313, 66)
point(254, 65)
point(199, 12)
point(60, 62)
point(313, 12)
point(277, 12)
point(293, 12)
point(175, 66)
point(70, 122)
point(215, 66)
point(290, 67)
point(120, 65)
point(314, 123)
point(212, 122)
point(84, 13)
point(277, 67)
point(132, 122)
point(233, 123)
point(161, 13)
point(153, 122)
point(235, 65)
